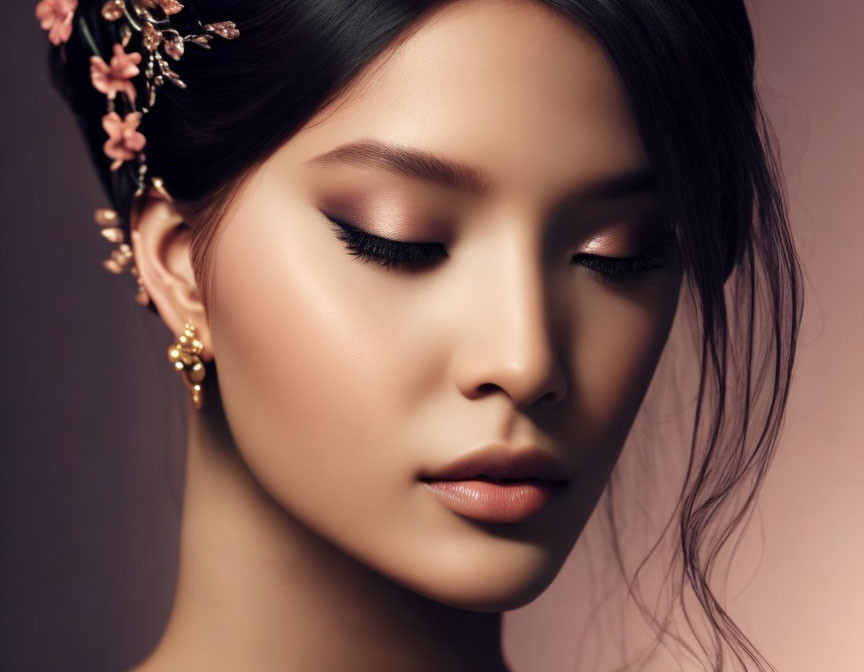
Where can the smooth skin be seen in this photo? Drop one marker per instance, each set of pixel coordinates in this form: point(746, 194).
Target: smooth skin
point(308, 542)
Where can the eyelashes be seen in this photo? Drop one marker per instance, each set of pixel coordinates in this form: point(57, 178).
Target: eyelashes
point(628, 268)
point(385, 252)
point(415, 257)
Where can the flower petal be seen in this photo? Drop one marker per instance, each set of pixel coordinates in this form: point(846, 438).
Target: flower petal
point(113, 124)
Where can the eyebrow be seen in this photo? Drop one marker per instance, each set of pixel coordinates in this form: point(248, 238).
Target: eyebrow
point(422, 165)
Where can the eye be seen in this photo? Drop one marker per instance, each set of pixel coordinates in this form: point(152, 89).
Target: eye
point(392, 254)
point(412, 257)
point(622, 269)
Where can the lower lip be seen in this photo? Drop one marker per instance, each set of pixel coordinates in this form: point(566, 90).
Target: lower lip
point(496, 502)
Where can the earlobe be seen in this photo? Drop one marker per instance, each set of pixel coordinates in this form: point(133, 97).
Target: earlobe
point(161, 242)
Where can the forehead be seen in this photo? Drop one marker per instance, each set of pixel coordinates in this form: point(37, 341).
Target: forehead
point(514, 89)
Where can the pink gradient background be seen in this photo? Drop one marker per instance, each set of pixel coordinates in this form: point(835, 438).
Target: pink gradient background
point(797, 585)
point(89, 510)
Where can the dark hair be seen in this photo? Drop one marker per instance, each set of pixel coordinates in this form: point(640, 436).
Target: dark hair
point(688, 69)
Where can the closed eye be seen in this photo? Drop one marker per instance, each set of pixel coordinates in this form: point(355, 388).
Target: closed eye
point(623, 269)
point(416, 257)
point(393, 254)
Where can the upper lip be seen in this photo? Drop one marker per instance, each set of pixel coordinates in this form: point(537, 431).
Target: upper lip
point(502, 462)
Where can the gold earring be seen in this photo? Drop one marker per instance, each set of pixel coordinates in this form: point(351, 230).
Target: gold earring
point(185, 355)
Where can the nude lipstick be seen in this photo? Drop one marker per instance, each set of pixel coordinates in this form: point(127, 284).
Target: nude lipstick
point(497, 484)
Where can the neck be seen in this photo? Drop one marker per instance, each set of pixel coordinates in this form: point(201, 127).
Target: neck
point(258, 590)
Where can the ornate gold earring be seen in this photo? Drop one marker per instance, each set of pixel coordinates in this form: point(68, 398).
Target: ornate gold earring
point(185, 355)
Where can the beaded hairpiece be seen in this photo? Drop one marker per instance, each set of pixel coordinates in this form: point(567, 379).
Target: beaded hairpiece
point(159, 35)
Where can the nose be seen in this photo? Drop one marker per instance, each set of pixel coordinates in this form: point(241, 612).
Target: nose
point(509, 339)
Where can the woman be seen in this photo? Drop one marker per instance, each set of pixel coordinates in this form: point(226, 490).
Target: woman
point(421, 259)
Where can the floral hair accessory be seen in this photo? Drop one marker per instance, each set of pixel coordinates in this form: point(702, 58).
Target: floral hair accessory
point(157, 38)
point(116, 77)
point(152, 35)
point(55, 16)
point(124, 142)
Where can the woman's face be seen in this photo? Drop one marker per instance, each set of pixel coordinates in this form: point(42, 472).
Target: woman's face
point(344, 381)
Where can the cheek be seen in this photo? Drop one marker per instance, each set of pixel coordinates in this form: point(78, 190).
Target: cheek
point(619, 338)
point(617, 342)
point(303, 376)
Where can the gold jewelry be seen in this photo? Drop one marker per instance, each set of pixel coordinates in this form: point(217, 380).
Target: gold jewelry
point(185, 355)
point(122, 259)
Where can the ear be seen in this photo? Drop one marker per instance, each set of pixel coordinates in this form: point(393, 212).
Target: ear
point(161, 244)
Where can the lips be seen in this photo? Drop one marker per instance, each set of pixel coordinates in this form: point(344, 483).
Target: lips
point(499, 462)
point(499, 484)
point(495, 502)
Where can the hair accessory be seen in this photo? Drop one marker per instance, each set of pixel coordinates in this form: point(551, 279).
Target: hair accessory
point(55, 16)
point(151, 20)
point(121, 259)
point(159, 37)
point(185, 355)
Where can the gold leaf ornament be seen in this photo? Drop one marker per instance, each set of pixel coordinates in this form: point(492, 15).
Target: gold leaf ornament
point(203, 40)
point(150, 37)
point(168, 6)
point(225, 29)
point(105, 217)
point(173, 45)
point(166, 70)
point(113, 234)
point(112, 10)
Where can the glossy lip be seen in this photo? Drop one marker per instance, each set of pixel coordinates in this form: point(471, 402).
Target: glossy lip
point(499, 484)
point(496, 501)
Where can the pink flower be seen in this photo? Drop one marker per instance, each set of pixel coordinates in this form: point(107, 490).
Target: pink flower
point(55, 16)
point(115, 78)
point(124, 141)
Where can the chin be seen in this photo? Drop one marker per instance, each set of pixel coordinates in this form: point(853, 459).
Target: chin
point(501, 576)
